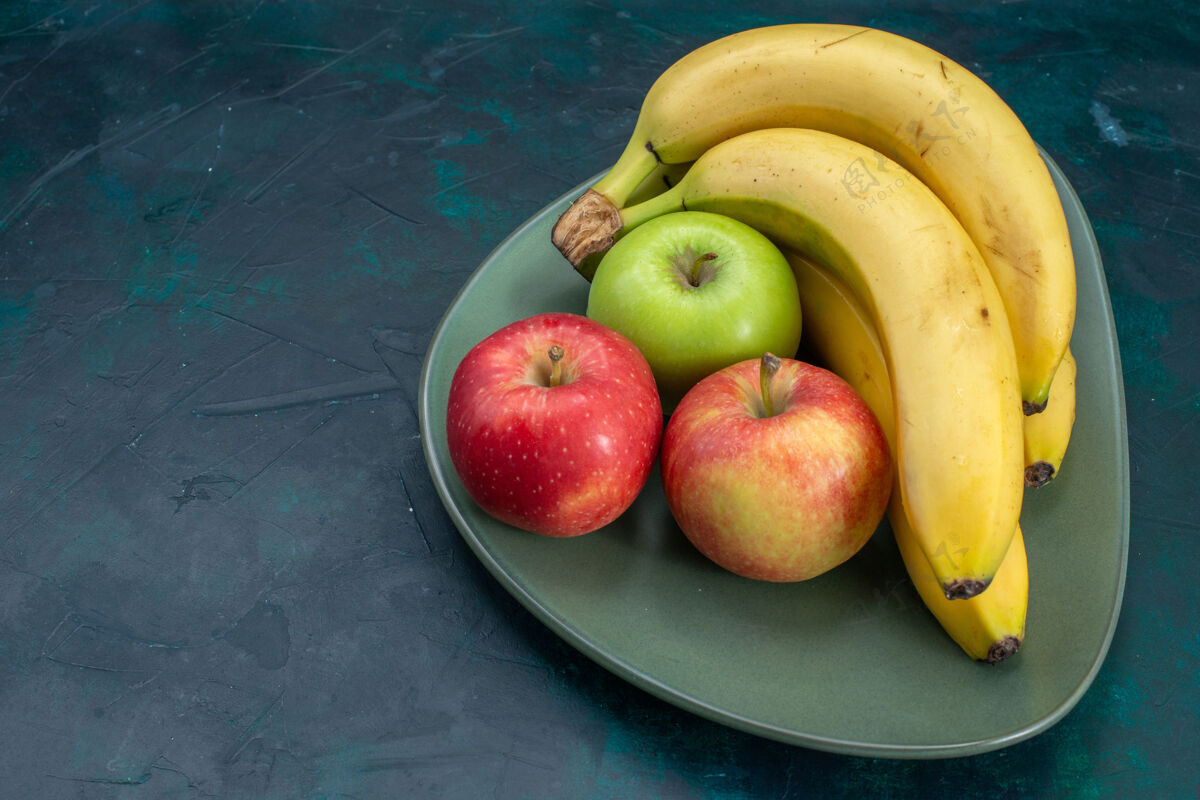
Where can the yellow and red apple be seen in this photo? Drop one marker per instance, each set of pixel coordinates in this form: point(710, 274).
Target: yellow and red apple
point(775, 469)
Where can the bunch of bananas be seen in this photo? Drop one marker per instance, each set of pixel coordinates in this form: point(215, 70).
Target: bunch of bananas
point(933, 258)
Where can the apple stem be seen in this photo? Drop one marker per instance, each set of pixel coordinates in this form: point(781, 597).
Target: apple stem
point(767, 368)
point(694, 275)
point(556, 354)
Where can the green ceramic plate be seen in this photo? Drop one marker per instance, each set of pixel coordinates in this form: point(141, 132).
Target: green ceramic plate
point(849, 662)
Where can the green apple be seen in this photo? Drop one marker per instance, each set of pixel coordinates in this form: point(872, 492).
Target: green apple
point(696, 292)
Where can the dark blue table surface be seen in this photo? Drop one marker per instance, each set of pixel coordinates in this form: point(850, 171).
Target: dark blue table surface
point(262, 209)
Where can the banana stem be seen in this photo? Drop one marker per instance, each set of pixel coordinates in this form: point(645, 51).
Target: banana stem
point(767, 367)
point(665, 203)
point(590, 225)
point(634, 164)
point(556, 354)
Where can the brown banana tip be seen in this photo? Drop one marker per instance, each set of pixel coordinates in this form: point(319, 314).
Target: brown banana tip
point(1030, 408)
point(964, 588)
point(1004, 649)
point(1039, 473)
point(588, 226)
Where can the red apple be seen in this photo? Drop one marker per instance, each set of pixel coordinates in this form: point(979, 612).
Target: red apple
point(553, 424)
point(775, 469)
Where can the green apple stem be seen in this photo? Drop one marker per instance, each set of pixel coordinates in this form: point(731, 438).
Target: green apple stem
point(767, 368)
point(694, 273)
point(556, 354)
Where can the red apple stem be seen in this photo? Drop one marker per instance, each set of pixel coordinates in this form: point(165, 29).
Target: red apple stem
point(767, 368)
point(694, 275)
point(556, 354)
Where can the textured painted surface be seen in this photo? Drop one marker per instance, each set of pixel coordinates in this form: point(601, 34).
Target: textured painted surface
point(227, 231)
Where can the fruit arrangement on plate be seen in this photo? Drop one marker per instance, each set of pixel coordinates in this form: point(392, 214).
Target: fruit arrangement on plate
point(835, 262)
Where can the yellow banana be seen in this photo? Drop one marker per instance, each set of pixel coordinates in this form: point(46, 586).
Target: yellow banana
point(945, 334)
point(901, 98)
point(989, 627)
point(838, 335)
point(1047, 434)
